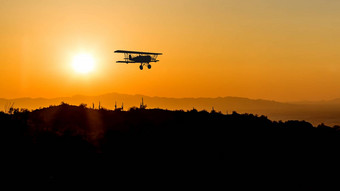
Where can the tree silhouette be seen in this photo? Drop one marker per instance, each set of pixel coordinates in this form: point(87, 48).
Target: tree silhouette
point(78, 144)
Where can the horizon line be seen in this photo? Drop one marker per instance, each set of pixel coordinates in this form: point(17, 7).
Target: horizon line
point(200, 97)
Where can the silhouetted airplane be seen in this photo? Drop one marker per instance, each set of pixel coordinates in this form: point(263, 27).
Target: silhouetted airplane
point(144, 58)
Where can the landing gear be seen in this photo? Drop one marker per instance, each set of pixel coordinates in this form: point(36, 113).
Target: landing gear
point(144, 64)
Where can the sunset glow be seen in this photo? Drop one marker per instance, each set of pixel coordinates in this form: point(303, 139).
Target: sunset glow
point(83, 63)
point(260, 49)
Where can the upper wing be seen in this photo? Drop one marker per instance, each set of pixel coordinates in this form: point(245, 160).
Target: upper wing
point(136, 52)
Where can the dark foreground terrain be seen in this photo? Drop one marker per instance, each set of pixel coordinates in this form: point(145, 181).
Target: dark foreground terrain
point(166, 149)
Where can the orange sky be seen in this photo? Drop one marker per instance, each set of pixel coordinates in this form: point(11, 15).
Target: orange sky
point(270, 49)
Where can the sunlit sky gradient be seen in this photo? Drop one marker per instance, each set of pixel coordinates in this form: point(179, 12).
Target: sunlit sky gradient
point(271, 49)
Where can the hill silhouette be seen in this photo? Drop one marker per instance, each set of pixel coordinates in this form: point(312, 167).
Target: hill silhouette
point(327, 112)
point(74, 144)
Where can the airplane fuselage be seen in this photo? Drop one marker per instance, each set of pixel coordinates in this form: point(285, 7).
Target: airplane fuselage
point(141, 59)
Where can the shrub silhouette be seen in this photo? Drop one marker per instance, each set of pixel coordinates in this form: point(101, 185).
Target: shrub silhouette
point(74, 143)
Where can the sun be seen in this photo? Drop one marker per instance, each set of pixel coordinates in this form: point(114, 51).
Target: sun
point(83, 63)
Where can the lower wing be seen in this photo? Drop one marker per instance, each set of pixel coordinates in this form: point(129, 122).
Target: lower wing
point(126, 62)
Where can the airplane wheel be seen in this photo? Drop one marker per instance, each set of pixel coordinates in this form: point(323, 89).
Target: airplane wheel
point(141, 67)
point(149, 66)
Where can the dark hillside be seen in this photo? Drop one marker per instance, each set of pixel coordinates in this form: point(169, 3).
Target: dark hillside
point(74, 144)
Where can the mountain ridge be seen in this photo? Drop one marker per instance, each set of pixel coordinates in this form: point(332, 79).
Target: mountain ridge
point(319, 112)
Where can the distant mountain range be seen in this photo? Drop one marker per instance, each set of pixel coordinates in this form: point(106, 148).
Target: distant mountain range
point(327, 112)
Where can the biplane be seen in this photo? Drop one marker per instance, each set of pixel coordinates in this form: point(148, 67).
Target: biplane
point(144, 58)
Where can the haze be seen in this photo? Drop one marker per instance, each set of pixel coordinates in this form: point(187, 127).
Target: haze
point(269, 49)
